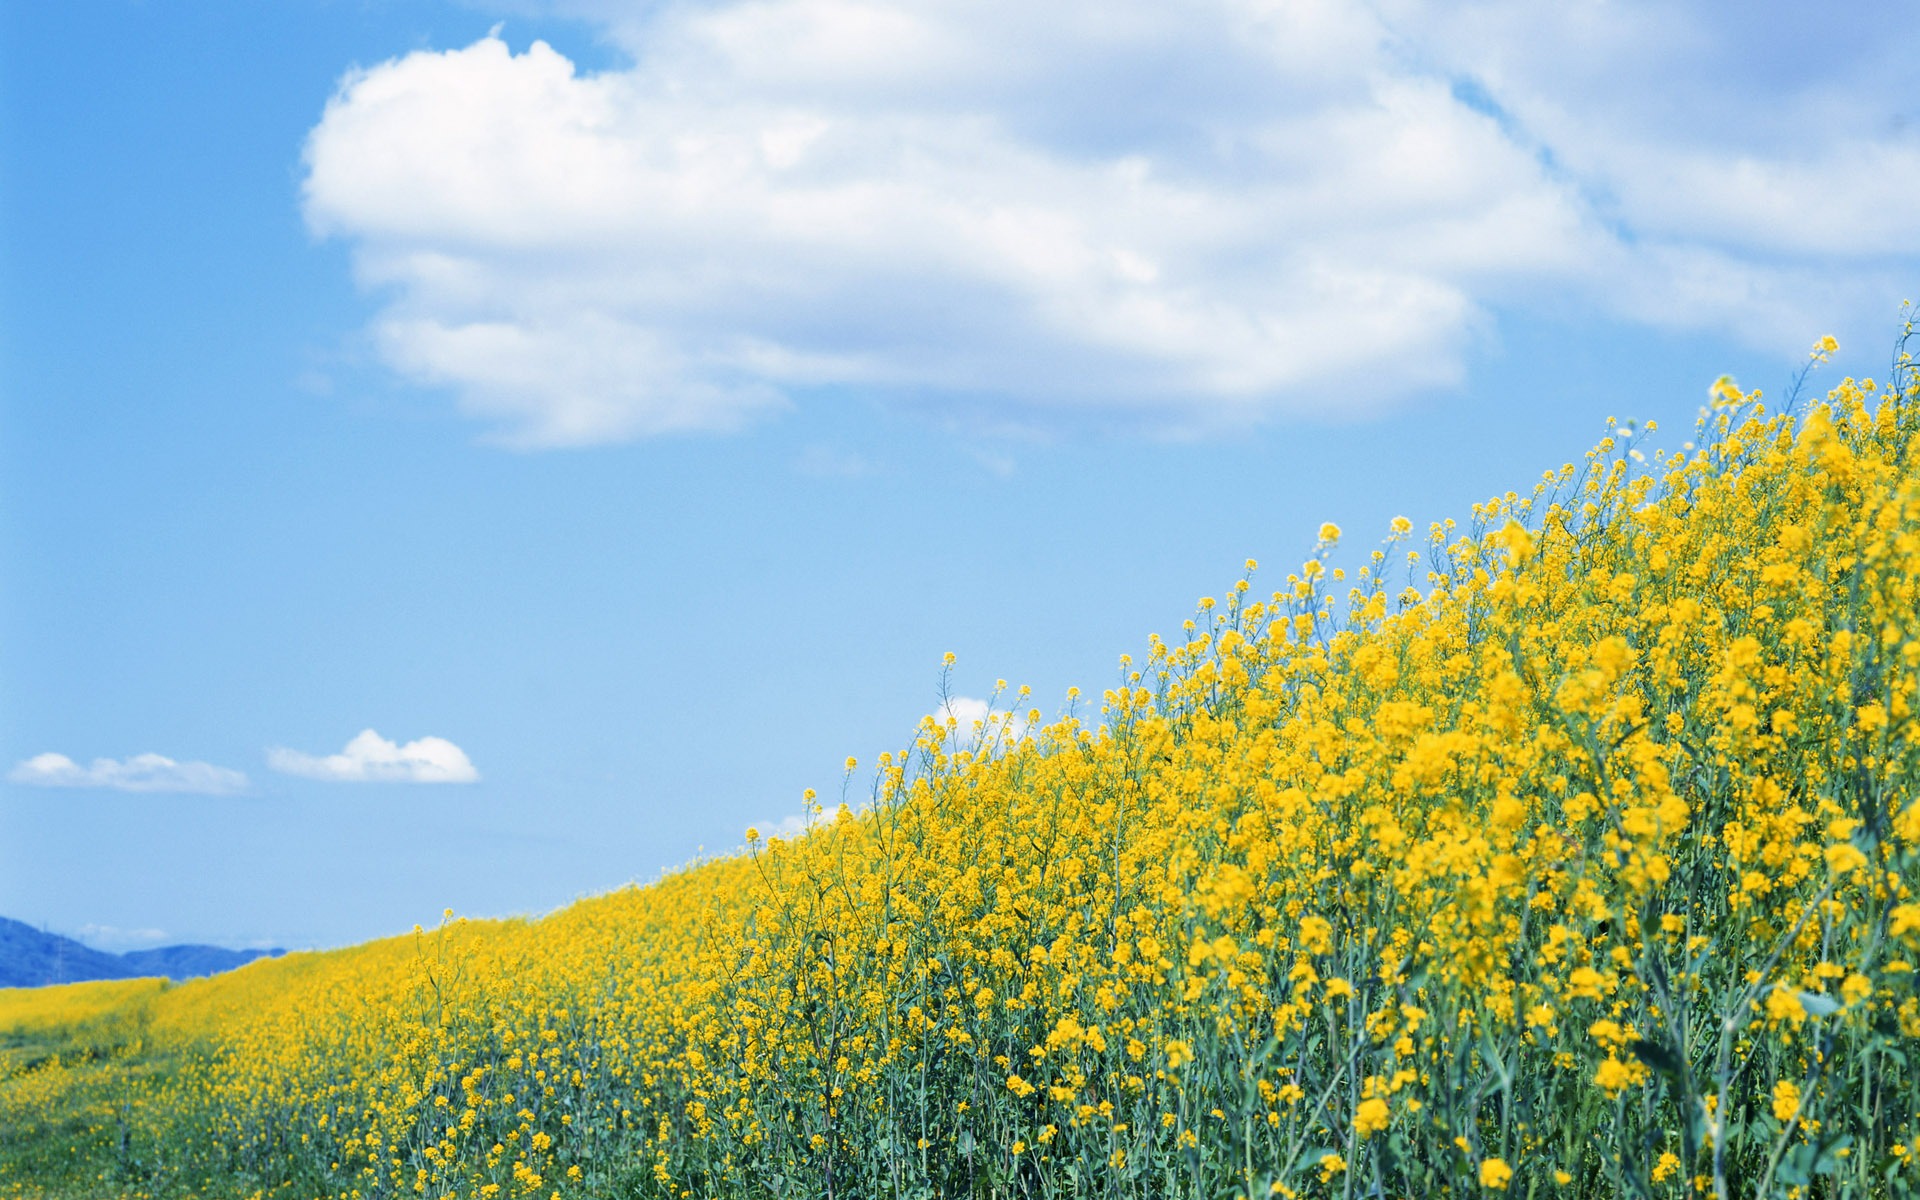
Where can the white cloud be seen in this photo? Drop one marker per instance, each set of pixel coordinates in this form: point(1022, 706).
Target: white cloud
point(966, 723)
point(794, 824)
point(370, 758)
point(1753, 171)
point(971, 723)
point(115, 940)
point(787, 827)
point(1183, 217)
point(829, 462)
point(141, 773)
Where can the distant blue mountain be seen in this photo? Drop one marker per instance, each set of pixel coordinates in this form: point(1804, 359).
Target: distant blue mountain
point(191, 962)
point(31, 958)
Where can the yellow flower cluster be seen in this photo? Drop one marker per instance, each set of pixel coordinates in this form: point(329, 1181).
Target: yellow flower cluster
point(1571, 852)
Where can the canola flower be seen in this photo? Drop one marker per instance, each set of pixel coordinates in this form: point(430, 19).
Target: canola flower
point(1572, 853)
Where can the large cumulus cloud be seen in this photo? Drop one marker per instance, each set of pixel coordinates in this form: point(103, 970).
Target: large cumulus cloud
point(1176, 217)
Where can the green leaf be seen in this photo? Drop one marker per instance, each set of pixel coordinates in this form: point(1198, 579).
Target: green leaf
point(1658, 1057)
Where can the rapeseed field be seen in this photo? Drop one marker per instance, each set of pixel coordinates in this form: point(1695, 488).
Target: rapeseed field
point(1570, 851)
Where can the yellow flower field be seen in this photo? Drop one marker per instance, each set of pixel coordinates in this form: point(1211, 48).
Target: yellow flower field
point(1571, 851)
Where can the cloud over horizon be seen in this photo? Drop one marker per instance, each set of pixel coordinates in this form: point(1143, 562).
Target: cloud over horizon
point(115, 940)
point(140, 773)
point(970, 723)
point(1174, 219)
point(370, 758)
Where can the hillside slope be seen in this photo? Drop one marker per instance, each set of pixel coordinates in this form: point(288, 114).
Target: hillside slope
point(1571, 852)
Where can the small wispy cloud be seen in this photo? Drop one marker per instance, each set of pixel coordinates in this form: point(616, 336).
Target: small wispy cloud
point(971, 724)
point(116, 940)
point(141, 773)
point(795, 824)
point(966, 723)
point(786, 828)
point(370, 758)
point(827, 462)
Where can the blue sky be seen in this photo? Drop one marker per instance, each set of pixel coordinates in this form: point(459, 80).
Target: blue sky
point(620, 409)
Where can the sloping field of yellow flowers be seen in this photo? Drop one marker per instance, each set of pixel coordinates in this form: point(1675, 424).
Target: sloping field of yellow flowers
point(1579, 863)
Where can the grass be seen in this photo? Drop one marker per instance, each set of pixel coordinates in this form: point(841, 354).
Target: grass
point(74, 1062)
